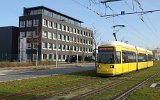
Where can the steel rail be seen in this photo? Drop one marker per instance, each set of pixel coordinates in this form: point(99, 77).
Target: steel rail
point(125, 94)
point(79, 97)
point(43, 88)
point(70, 89)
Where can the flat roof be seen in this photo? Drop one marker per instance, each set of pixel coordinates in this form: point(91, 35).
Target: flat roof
point(43, 7)
point(9, 27)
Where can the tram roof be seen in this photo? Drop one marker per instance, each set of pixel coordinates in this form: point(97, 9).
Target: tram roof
point(118, 43)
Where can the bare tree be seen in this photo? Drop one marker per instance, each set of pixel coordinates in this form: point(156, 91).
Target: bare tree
point(96, 42)
point(35, 41)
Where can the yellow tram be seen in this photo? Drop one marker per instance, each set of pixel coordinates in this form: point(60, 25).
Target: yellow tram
point(116, 58)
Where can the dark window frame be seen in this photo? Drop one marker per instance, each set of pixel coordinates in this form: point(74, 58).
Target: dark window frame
point(128, 56)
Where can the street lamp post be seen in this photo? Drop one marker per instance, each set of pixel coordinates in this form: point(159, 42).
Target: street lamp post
point(57, 42)
point(56, 46)
point(38, 36)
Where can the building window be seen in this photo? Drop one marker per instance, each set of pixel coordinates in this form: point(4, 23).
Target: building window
point(74, 30)
point(35, 22)
point(91, 50)
point(44, 22)
point(44, 34)
point(91, 42)
point(86, 41)
point(64, 57)
point(71, 48)
point(80, 48)
point(81, 32)
point(71, 39)
point(54, 56)
point(28, 45)
point(34, 57)
point(44, 56)
point(22, 23)
point(22, 34)
point(91, 35)
point(29, 23)
point(59, 36)
point(35, 45)
point(81, 41)
point(67, 28)
point(63, 47)
point(68, 47)
point(29, 33)
point(74, 48)
point(67, 38)
point(59, 46)
point(59, 57)
point(49, 35)
point(54, 36)
point(54, 46)
point(59, 27)
point(64, 37)
point(83, 49)
point(71, 29)
point(77, 31)
point(55, 25)
point(50, 46)
point(34, 33)
point(84, 33)
point(74, 39)
point(44, 45)
point(64, 28)
point(50, 25)
point(50, 57)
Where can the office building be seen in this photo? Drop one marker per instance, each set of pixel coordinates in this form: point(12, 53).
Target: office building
point(47, 33)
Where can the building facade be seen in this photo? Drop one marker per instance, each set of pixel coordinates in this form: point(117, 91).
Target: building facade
point(156, 54)
point(48, 33)
point(9, 43)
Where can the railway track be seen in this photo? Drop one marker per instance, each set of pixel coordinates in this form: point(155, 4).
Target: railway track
point(126, 93)
point(79, 97)
point(68, 90)
point(110, 86)
point(21, 93)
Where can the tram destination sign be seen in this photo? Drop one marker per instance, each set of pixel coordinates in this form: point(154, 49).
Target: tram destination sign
point(105, 49)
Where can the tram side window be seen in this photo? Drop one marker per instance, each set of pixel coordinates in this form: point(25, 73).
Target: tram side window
point(150, 58)
point(128, 57)
point(124, 57)
point(131, 57)
point(118, 57)
point(142, 58)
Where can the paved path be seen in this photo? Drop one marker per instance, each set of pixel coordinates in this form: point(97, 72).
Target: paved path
point(12, 74)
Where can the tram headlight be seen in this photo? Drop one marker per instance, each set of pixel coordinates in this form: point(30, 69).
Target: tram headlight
point(111, 66)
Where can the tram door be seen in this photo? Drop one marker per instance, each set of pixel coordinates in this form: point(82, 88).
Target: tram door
point(125, 64)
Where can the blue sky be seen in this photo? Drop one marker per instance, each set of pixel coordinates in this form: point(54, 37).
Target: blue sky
point(144, 34)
